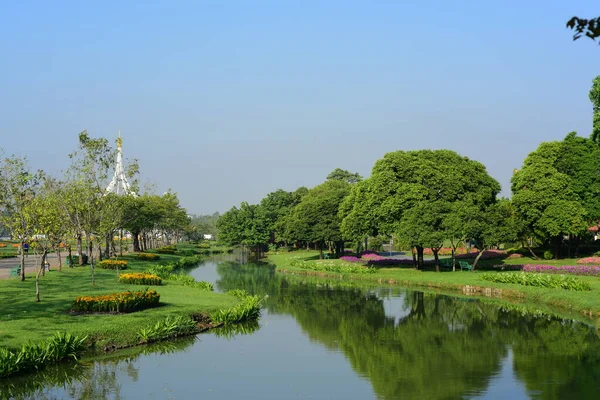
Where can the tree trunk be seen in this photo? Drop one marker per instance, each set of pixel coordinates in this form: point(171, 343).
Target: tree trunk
point(70, 256)
point(121, 242)
point(108, 242)
point(59, 258)
point(531, 251)
point(99, 251)
point(557, 243)
point(477, 259)
point(437, 259)
point(419, 257)
point(22, 261)
point(136, 242)
point(320, 250)
point(414, 254)
point(80, 249)
point(91, 261)
point(453, 260)
point(37, 276)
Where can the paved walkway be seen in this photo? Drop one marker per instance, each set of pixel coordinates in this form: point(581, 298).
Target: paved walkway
point(32, 263)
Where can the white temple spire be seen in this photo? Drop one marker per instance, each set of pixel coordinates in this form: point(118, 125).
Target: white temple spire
point(118, 184)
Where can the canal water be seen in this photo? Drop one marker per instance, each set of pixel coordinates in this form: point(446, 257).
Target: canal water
point(330, 340)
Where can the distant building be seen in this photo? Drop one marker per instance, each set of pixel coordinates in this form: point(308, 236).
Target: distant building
point(207, 236)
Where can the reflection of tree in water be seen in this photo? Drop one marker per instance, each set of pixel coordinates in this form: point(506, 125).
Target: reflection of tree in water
point(445, 347)
point(99, 378)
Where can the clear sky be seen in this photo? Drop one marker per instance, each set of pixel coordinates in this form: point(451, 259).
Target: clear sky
point(225, 101)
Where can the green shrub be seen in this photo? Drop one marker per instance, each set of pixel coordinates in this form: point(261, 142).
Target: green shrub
point(162, 270)
point(204, 245)
point(539, 280)
point(167, 250)
point(189, 252)
point(188, 261)
point(247, 309)
point(331, 266)
point(147, 257)
point(167, 329)
point(548, 255)
point(31, 356)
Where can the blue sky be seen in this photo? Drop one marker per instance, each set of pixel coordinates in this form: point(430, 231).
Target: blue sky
point(225, 101)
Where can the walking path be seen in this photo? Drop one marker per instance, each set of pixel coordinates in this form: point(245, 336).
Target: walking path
point(32, 263)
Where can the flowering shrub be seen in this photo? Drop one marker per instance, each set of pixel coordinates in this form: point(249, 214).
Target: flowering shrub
point(332, 267)
point(117, 302)
point(2, 245)
point(137, 278)
point(589, 260)
point(539, 280)
point(371, 257)
point(113, 264)
point(589, 270)
point(351, 259)
point(147, 257)
point(16, 246)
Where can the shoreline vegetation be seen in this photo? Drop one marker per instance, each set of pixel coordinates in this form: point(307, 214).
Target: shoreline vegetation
point(31, 332)
point(583, 303)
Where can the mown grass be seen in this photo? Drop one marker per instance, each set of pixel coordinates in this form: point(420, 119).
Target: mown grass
point(586, 303)
point(22, 319)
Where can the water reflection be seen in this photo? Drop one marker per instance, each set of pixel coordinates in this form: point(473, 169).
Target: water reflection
point(405, 344)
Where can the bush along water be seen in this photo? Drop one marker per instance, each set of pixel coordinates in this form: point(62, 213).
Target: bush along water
point(147, 257)
point(538, 280)
point(117, 302)
point(169, 328)
point(247, 309)
point(333, 267)
point(31, 356)
point(166, 272)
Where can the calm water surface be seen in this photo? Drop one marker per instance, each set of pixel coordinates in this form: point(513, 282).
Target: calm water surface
point(329, 340)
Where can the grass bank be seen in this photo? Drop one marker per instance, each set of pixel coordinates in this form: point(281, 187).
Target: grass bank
point(23, 320)
point(586, 303)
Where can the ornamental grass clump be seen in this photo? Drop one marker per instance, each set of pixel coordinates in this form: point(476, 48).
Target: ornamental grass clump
point(167, 329)
point(147, 257)
point(586, 270)
point(331, 266)
point(539, 280)
point(112, 264)
point(247, 309)
point(140, 278)
point(32, 356)
point(589, 260)
point(167, 250)
point(117, 302)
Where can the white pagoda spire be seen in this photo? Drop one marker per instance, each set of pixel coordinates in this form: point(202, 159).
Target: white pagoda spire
point(118, 184)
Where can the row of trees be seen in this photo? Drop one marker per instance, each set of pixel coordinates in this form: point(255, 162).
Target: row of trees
point(46, 211)
point(426, 198)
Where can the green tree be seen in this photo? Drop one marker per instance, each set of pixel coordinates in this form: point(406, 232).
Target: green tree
point(345, 176)
point(247, 226)
point(595, 99)
point(18, 186)
point(554, 194)
point(316, 218)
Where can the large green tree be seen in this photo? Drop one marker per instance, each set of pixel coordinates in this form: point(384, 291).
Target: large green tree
point(595, 99)
point(558, 189)
point(316, 218)
point(404, 180)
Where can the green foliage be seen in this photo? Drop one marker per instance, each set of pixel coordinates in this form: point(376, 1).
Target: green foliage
point(147, 256)
point(161, 270)
point(137, 278)
point(332, 266)
point(344, 176)
point(248, 225)
point(595, 99)
point(32, 356)
point(112, 264)
point(247, 309)
point(548, 255)
point(584, 27)
point(167, 329)
point(539, 280)
point(167, 250)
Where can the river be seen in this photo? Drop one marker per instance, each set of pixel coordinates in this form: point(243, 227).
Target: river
point(330, 340)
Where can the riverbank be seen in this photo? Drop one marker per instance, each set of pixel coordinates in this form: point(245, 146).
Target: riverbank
point(586, 303)
point(23, 320)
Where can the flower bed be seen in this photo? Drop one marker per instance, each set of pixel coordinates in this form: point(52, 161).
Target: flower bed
point(147, 257)
point(113, 264)
point(167, 250)
point(2, 245)
point(588, 270)
point(589, 260)
point(117, 302)
point(138, 278)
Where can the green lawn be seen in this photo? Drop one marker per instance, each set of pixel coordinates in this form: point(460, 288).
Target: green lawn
point(584, 303)
point(22, 319)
